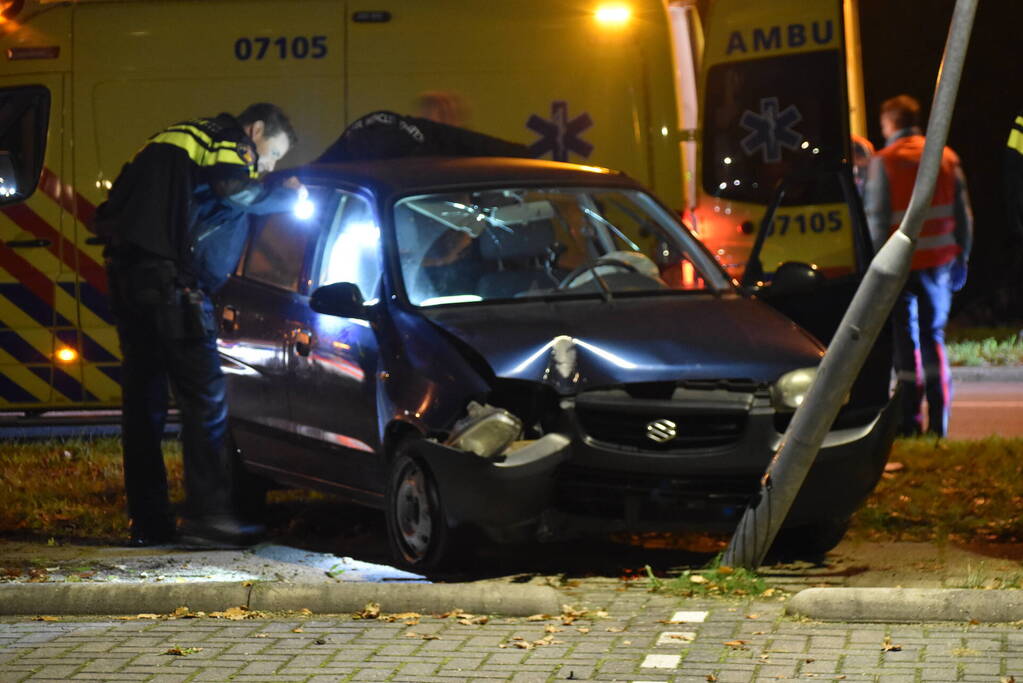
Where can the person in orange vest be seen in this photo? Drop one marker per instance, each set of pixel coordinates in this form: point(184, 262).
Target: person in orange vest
point(938, 267)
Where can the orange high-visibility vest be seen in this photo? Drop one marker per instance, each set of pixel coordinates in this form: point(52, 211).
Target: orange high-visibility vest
point(937, 244)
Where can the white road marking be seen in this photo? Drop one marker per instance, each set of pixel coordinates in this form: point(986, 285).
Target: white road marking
point(661, 661)
point(676, 637)
point(688, 618)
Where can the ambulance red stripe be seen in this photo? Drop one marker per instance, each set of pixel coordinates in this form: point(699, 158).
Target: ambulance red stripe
point(65, 195)
point(60, 247)
point(27, 274)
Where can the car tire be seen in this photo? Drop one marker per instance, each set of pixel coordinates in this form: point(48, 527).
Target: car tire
point(809, 541)
point(418, 534)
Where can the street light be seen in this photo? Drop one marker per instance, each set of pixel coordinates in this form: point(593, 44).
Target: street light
point(613, 15)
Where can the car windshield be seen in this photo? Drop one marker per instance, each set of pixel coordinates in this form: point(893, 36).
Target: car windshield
point(517, 243)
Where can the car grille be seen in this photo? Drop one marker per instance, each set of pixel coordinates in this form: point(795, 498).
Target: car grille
point(693, 430)
point(651, 497)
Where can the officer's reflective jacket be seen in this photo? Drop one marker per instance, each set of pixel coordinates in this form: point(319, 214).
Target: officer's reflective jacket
point(150, 207)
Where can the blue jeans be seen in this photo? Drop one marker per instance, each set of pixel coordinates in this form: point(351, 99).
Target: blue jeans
point(167, 344)
point(921, 365)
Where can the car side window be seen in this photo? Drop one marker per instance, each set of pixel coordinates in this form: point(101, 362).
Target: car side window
point(351, 250)
point(278, 249)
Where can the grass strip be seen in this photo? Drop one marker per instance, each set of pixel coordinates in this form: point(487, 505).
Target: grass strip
point(944, 490)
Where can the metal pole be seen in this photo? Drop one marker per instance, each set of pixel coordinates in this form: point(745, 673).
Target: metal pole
point(859, 327)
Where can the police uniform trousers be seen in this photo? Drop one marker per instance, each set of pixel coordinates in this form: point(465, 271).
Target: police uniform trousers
point(168, 341)
point(921, 364)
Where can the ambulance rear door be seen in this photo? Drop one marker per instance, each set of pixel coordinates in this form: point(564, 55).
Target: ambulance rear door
point(775, 127)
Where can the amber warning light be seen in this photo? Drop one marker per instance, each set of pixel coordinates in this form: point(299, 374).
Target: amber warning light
point(66, 355)
point(9, 9)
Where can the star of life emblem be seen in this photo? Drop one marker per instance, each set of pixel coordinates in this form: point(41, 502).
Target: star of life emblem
point(770, 130)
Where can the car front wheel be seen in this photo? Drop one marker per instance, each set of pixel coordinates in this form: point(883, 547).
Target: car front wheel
point(417, 531)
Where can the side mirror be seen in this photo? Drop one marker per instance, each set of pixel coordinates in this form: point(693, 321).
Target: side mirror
point(342, 299)
point(793, 277)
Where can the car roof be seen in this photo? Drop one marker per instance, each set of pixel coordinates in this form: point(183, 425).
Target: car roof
point(409, 174)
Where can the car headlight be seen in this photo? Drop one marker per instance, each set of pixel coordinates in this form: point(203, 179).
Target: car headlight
point(487, 431)
point(792, 387)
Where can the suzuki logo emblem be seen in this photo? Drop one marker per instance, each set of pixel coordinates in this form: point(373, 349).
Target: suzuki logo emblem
point(661, 431)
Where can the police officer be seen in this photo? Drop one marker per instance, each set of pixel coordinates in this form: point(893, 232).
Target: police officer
point(162, 199)
point(939, 261)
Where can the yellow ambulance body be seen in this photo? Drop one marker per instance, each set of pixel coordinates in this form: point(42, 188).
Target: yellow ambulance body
point(606, 82)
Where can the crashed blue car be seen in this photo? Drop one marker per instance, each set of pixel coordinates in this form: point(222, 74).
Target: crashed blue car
point(529, 349)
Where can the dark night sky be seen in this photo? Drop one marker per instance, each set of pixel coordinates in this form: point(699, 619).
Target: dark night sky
point(902, 43)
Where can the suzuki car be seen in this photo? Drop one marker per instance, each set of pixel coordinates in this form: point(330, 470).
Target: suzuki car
point(529, 349)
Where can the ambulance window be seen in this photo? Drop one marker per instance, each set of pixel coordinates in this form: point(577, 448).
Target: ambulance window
point(24, 113)
point(774, 119)
point(277, 252)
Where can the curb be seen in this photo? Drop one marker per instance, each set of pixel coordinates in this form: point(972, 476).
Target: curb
point(326, 598)
point(907, 604)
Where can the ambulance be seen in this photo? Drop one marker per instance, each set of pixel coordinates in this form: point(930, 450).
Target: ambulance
point(729, 110)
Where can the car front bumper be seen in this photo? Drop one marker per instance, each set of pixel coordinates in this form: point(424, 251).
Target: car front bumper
point(568, 484)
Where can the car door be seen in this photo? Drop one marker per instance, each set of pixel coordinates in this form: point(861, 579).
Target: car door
point(332, 361)
point(257, 315)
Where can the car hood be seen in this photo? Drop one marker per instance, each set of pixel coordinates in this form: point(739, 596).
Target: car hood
point(579, 344)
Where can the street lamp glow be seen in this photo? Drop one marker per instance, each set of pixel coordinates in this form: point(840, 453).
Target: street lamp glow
point(67, 355)
point(613, 15)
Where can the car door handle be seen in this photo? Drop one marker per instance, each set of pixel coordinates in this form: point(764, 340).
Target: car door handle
point(303, 340)
point(229, 318)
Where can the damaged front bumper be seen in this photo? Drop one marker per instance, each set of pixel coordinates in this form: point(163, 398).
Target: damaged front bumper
point(497, 494)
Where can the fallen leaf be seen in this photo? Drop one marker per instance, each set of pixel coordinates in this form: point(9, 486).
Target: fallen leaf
point(894, 467)
point(538, 617)
point(370, 611)
point(737, 644)
point(711, 678)
point(182, 613)
point(1007, 679)
point(261, 635)
point(298, 629)
point(551, 628)
point(614, 629)
point(471, 620)
point(233, 613)
point(305, 612)
point(582, 629)
point(45, 618)
point(725, 569)
point(752, 616)
point(887, 646)
point(183, 651)
point(697, 578)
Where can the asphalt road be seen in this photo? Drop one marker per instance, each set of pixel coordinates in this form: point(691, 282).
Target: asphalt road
point(985, 408)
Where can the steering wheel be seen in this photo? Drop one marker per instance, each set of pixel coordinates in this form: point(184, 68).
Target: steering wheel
point(590, 265)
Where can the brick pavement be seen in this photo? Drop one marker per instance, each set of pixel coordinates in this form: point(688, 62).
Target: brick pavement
point(634, 642)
